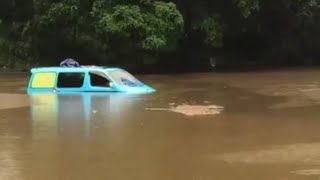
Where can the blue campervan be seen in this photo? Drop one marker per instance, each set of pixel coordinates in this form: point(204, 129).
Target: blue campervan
point(84, 79)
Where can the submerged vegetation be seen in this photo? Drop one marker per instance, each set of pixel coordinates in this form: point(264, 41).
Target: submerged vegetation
point(149, 35)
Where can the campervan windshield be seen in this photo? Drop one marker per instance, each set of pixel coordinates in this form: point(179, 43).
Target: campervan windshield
point(124, 78)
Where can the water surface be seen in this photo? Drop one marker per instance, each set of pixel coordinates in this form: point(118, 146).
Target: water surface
point(195, 127)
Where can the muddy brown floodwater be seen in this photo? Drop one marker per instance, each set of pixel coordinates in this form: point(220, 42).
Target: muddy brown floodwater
point(235, 126)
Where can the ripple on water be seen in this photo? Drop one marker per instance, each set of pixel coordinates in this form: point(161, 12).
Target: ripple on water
point(10, 101)
point(307, 172)
point(308, 154)
point(9, 165)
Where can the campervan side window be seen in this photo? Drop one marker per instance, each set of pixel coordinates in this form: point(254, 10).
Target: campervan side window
point(98, 79)
point(44, 80)
point(71, 80)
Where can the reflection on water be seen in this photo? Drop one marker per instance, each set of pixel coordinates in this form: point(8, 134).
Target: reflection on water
point(61, 112)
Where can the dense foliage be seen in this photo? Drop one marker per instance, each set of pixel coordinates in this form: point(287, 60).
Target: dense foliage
point(148, 34)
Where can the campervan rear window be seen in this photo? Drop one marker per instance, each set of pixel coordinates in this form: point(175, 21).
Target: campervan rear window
point(70, 80)
point(44, 80)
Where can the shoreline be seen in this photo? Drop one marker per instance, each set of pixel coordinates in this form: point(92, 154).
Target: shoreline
point(216, 71)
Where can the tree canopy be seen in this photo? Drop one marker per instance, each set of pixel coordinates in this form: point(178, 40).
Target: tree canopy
point(153, 33)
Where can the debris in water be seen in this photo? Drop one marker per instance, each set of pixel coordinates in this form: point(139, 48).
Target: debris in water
point(157, 109)
point(192, 110)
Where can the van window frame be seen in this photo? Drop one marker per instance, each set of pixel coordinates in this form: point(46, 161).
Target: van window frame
point(71, 72)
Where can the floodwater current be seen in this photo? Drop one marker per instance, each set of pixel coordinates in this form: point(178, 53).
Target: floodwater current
point(203, 126)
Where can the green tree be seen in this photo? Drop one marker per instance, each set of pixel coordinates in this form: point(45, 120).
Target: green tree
point(126, 31)
point(147, 25)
